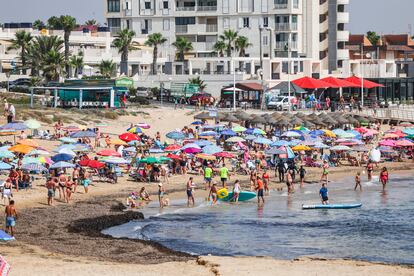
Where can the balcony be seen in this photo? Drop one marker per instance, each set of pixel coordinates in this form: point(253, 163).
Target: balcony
point(185, 8)
point(115, 30)
point(181, 29)
point(343, 36)
point(343, 17)
point(286, 27)
point(342, 54)
point(207, 8)
point(281, 6)
point(281, 45)
point(211, 28)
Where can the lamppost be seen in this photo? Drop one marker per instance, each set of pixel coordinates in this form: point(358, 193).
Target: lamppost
point(287, 48)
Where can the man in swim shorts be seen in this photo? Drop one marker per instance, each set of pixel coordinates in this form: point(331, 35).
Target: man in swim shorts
point(260, 189)
point(208, 174)
point(51, 187)
point(224, 175)
point(11, 216)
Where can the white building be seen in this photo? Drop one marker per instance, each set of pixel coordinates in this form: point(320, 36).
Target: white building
point(315, 28)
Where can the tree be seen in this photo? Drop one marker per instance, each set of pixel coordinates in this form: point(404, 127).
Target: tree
point(53, 65)
point(39, 25)
point(77, 63)
point(241, 44)
point(155, 40)
point(68, 24)
point(21, 41)
point(183, 45)
point(198, 81)
point(107, 68)
point(91, 22)
point(219, 48)
point(53, 23)
point(124, 44)
point(373, 38)
point(229, 37)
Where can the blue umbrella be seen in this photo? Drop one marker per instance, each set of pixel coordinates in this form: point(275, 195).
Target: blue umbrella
point(249, 131)
point(4, 166)
point(83, 134)
point(34, 167)
point(228, 132)
point(203, 143)
point(197, 123)
point(356, 133)
point(279, 143)
point(275, 151)
point(134, 143)
point(175, 135)
point(316, 132)
point(64, 146)
point(130, 149)
point(263, 141)
point(6, 154)
point(292, 133)
point(290, 153)
point(62, 157)
point(67, 140)
point(295, 142)
point(409, 131)
point(190, 145)
point(208, 133)
point(320, 145)
point(250, 137)
point(212, 149)
point(14, 126)
point(62, 165)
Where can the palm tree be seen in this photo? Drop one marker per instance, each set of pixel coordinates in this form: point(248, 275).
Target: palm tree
point(124, 44)
point(242, 43)
point(107, 68)
point(53, 65)
point(155, 40)
point(198, 81)
point(77, 63)
point(39, 48)
point(183, 45)
point(53, 23)
point(375, 40)
point(68, 24)
point(39, 24)
point(219, 48)
point(229, 37)
point(21, 41)
point(91, 22)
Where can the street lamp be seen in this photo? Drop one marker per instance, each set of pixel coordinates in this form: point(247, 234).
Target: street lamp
point(287, 48)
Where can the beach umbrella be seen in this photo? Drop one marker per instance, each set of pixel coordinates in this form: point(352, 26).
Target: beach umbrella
point(208, 133)
point(67, 151)
point(135, 130)
point(143, 125)
point(21, 149)
point(62, 165)
point(340, 148)
point(67, 140)
point(274, 151)
point(409, 131)
point(360, 148)
point(255, 119)
point(388, 143)
point(135, 143)
point(32, 124)
point(224, 154)
point(262, 141)
point(118, 142)
point(95, 164)
point(156, 150)
point(370, 132)
point(150, 160)
point(212, 149)
point(228, 132)
point(191, 148)
point(317, 132)
point(81, 148)
point(250, 137)
point(108, 152)
point(295, 142)
point(235, 139)
point(289, 153)
point(291, 134)
point(6, 147)
point(356, 134)
point(279, 143)
point(4, 166)
point(65, 146)
point(83, 134)
point(404, 143)
point(386, 149)
point(164, 159)
point(399, 133)
point(114, 160)
point(14, 126)
point(238, 129)
point(391, 136)
point(202, 143)
point(130, 149)
point(302, 129)
point(197, 123)
point(34, 167)
point(62, 157)
point(175, 135)
point(301, 148)
point(128, 137)
point(230, 118)
point(320, 146)
point(203, 116)
point(174, 156)
point(361, 130)
point(6, 154)
point(172, 147)
point(205, 156)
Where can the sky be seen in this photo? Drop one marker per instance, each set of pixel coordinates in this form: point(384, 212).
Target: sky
point(382, 16)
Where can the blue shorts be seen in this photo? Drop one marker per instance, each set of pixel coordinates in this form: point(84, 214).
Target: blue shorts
point(189, 193)
point(10, 222)
point(50, 193)
point(260, 192)
point(207, 179)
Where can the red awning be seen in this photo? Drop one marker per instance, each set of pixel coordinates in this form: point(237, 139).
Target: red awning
point(310, 83)
point(338, 83)
point(367, 84)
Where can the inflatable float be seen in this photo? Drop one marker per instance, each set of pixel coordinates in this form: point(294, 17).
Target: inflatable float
point(332, 206)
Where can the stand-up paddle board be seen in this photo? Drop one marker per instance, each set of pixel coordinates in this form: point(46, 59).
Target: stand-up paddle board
point(243, 196)
point(332, 206)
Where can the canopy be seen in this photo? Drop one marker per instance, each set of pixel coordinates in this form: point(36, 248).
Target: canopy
point(83, 134)
point(338, 83)
point(21, 149)
point(62, 165)
point(284, 88)
point(367, 84)
point(128, 137)
point(311, 83)
point(108, 152)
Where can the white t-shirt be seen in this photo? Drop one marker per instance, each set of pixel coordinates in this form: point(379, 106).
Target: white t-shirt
point(12, 110)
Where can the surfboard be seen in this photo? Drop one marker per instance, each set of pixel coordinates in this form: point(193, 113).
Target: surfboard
point(332, 206)
point(243, 196)
point(5, 237)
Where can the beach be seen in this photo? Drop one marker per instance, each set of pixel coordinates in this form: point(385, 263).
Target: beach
point(66, 239)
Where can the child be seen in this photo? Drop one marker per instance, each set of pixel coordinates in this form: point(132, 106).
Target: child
point(323, 192)
point(302, 173)
point(384, 177)
point(358, 181)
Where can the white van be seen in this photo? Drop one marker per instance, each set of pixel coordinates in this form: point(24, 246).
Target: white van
point(281, 103)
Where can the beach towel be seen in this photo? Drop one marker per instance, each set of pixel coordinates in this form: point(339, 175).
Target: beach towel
point(4, 267)
point(5, 237)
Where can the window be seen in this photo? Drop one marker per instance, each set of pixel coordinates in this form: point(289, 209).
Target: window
point(166, 24)
point(114, 6)
point(265, 40)
point(184, 20)
point(128, 24)
point(296, 4)
point(226, 23)
point(246, 22)
point(165, 5)
point(114, 22)
point(147, 5)
point(266, 22)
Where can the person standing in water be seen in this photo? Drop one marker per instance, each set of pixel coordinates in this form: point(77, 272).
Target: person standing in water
point(260, 189)
point(224, 175)
point(266, 181)
point(325, 171)
point(236, 191)
point(384, 177)
point(161, 192)
point(213, 193)
point(323, 192)
point(190, 192)
point(289, 181)
point(302, 173)
point(370, 168)
point(11, 216)
point(208, 174)
point(358, 181)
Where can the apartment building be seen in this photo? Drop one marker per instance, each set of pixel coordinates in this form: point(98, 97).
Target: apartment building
point(310, 29)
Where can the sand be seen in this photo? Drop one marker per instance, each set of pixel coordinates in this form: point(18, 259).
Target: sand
point(65, 239)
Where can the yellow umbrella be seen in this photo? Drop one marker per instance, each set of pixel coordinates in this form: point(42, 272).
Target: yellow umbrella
point(118, 142)
point(19, 148)
point(206, 156)
point(28, 142)
point(329, 133)
point(301, 147)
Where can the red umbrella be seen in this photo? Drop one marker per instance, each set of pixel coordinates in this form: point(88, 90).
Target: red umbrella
point(84, 162)
point(310, 83)
point(338, 83)
point(224, 154)
point(95, 164)
point(128, 137)
point(173, 147)
point(367, 84)
point(361, 130)
point(399, 133)
point(108, 152)
point(173, 156)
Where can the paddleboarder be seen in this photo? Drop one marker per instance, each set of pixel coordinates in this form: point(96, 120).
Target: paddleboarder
point(323, 192)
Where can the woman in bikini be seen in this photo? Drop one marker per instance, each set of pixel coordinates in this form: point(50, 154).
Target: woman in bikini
point(69, 189)
point(61, 186)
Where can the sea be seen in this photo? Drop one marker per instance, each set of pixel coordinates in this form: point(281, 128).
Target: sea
point(382, 230)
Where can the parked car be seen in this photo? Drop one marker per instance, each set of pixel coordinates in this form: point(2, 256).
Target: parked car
point(199, 97)
point(282, 103)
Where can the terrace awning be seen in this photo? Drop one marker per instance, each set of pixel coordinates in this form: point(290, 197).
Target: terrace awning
point(311, 83)
point(338, 83)
point(366, 83)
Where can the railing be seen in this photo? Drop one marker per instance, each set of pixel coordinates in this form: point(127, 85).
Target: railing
point(211, 28)
point(282, 45)
point(281, 6)
point(181, 29)
point(286, 26)
point(207, 8)
point(115, 30)
point(391, 113)
point(185, 8)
